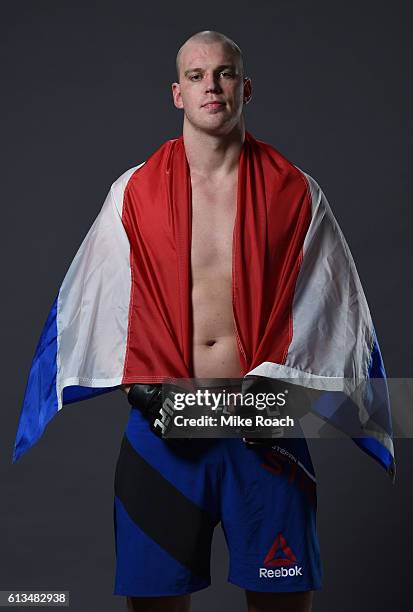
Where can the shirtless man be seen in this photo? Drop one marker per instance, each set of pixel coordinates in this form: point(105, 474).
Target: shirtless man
point(212, 90)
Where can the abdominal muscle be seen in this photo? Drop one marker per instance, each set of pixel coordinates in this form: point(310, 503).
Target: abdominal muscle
point(215, 349)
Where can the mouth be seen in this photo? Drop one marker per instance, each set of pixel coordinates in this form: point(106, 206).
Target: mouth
point(213, 105)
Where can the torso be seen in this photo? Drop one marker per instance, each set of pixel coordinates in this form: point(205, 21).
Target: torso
point(215, 351)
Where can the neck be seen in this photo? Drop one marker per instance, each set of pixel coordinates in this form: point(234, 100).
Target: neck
point(213, 156)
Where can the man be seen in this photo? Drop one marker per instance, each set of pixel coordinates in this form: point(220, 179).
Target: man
point(212, 90)
point(217, 259)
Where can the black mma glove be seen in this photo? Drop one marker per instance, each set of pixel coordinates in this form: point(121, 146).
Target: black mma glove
point(148, 398)
point(255, 385)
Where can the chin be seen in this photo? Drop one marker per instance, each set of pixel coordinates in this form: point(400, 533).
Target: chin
point(213, 128)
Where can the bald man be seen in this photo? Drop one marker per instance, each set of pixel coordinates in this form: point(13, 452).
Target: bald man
point(212, 90)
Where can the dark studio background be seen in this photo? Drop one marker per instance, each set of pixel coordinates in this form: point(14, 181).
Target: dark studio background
point(86, 95)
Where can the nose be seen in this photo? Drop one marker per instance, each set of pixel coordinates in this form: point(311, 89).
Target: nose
point(212, 83)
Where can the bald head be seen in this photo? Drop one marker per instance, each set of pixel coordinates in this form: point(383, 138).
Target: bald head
point(209, 37)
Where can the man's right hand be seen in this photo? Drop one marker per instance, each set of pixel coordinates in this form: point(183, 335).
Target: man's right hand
point(148, 399)
point(126, 388)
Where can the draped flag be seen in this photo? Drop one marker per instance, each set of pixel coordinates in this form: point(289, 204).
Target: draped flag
point(123, 312)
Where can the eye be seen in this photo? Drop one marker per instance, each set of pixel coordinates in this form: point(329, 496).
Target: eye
point(194, 77)
point(227, 73)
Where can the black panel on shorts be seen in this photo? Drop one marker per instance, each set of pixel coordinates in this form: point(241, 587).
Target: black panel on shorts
point(167, 516)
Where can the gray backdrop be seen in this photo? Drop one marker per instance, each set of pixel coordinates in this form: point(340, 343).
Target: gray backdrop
point(86, 95)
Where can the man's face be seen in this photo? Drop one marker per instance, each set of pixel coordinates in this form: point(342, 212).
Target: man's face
point(211, 89)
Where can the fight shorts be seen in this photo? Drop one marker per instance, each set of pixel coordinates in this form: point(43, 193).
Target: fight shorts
point(169, 498)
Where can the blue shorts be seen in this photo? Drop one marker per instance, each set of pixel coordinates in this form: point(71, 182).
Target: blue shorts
point(169, 498)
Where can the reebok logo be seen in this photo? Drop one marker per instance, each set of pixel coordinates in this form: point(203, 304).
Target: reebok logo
point(289, 557)
point(281, 573)
point(280, 555)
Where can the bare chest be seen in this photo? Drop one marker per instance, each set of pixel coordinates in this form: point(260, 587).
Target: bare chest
point(213, 218)
point(215, 352)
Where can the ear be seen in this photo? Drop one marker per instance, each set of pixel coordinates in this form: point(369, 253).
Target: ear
point(247, 90)
point(176, 95)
